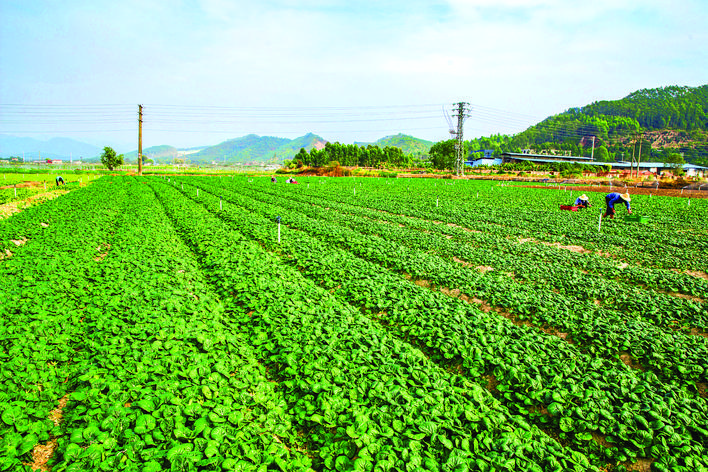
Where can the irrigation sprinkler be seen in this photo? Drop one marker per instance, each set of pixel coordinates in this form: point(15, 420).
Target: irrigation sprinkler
point(437, 201)
point(689, 202)
point(220, 205)
point(278, 219)
point(599, 223)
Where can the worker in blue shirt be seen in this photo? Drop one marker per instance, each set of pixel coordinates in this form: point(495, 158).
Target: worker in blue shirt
point(614, 197)
point(582, 201)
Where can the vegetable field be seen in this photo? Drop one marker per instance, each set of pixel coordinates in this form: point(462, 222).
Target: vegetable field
point(228, 323)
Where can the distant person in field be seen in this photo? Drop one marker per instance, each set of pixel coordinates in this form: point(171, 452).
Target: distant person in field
point(582, 201)
point(59, 179)
point(273, 179)
point(614, 197)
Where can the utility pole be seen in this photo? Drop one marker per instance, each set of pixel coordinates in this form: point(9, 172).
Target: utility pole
point(631, 163)
point(140, 140)
point(639, 158)
point(592, 153)
point(462, 113)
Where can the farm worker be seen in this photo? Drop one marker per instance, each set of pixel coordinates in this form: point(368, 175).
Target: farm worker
point(614, 197)
point(273, 179)
point(293, 181)
point(59, 179)
point(582, 201)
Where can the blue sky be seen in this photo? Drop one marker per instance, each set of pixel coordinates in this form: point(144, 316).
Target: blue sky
point(210, 70)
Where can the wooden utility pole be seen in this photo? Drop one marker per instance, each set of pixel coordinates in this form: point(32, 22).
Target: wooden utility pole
point(592, 153)
point(639, 158)
point(140, 140)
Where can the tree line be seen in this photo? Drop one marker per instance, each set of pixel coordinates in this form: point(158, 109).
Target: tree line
point(352, 155)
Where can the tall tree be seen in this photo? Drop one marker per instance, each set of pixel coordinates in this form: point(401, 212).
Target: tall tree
point(674, 161)
point(110, 159)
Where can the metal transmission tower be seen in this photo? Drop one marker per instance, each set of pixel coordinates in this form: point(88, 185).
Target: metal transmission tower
point(462, 113)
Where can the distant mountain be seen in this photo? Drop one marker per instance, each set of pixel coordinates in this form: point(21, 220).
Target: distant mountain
point(55, 148)
point(256, 149)
point(408, 144)
point(161, 154)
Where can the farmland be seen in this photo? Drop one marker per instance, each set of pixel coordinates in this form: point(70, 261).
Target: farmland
point(171, 323)
point(18, 190)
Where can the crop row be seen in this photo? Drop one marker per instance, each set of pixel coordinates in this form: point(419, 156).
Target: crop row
point(490, 252)
point(382, 404)
point(40, 315)
point(121, 319)
point(599, 331)
point(537, 373)
point(534, 213)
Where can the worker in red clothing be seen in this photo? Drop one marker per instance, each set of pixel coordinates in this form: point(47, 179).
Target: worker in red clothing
point(614, 197)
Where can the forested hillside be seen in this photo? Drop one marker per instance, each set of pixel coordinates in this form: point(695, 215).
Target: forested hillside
point(663, 120)
point(410, 145)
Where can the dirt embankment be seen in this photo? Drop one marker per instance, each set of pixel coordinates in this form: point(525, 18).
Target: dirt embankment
point(662, 192)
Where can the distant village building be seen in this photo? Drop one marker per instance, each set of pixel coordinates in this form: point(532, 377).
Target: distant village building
point(619, 168)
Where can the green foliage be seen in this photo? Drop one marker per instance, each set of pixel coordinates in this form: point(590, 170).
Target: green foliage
point(186, 336)
point(110, 159)
point(443, 154)
point(617, 124)
point(411, 146)
point(675, 161)
point(353, 155)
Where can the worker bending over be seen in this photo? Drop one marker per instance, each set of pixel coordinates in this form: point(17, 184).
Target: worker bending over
point(614, 197)
point(582, 201)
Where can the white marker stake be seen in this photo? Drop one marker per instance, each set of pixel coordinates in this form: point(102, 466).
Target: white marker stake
point(15, 191)
point(437, 201)
point(354, 190)
point(197, 192)
point(599, 223)
point(220, 206)
point(278, 231)
point(689, 202)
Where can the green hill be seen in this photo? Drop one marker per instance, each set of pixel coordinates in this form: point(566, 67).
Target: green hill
point(256, 149)
point(410, 145)
point(163, 153)
point(670, 119)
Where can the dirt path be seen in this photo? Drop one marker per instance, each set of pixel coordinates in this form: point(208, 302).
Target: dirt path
point(11, 208)
point(661, 192)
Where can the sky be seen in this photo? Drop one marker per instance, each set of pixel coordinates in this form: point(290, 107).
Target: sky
point(349, 71)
